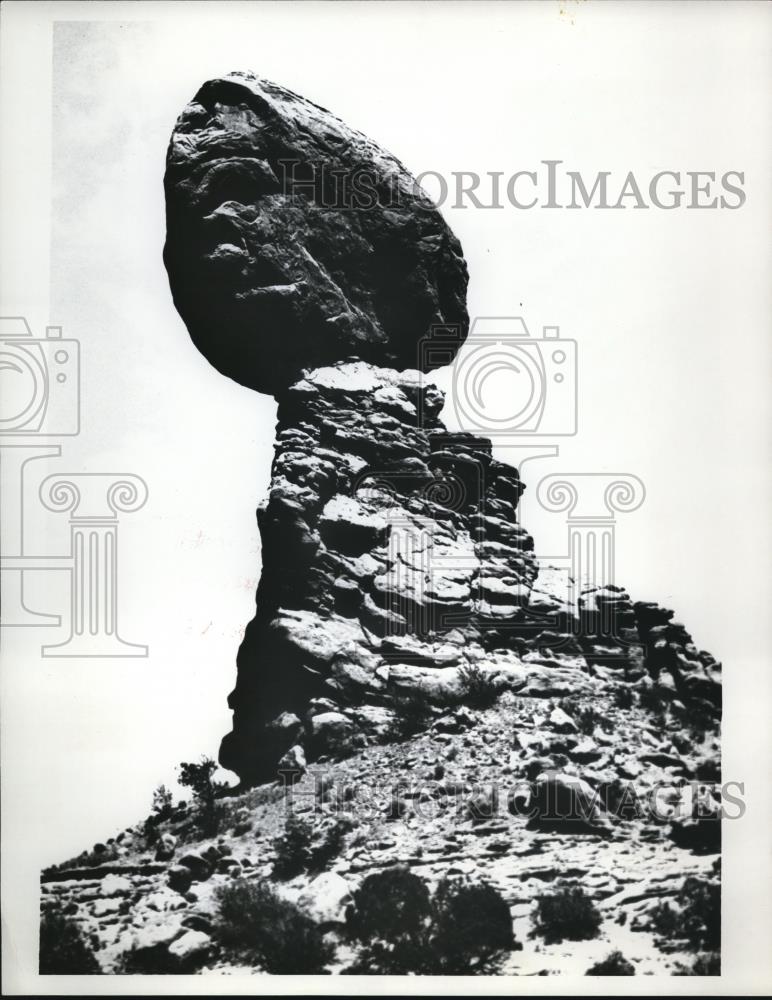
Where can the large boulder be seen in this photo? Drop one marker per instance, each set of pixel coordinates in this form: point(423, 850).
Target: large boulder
point(294, 241)
point(326, 898)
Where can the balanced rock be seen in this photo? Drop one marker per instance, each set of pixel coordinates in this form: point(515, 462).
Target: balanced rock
point(308, 263)
point(294, 241)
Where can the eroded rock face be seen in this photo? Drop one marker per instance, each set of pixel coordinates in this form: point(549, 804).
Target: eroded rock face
point(294, 241)
point(395, 571)
point(385, 540)
point(307, 263)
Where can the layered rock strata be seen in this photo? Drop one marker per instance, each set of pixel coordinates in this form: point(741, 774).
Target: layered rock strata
point(394, 565)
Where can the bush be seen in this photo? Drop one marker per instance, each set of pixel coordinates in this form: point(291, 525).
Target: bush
point(199, 779)
point(151, 961)
point(413, 714)
point(623, 698)
point(697, 920)
point(256, 925)
point(585, 716)
point(302, 848)
point(163, 804)
point(472, 925)
point(391, 905)
point(64, 951)
point(478, 688)
point(162, 809)
point(331, 843)
point(701, 913)
point(704, 965)
point(293, 848)
point(614, 964)
point(653, 698)
point(569, 914)
point(462, 930)
point(665, 920)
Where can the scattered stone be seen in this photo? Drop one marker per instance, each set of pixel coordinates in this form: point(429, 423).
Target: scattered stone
point(292, 765)
point(180, 878)
point(561, 722)
point(192, 949)
point(115, 885)
point(167, 844)
point(326, 898)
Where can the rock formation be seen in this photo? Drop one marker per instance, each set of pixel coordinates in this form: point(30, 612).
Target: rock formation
point(436, 698)
point(294, 241)
point(306, 262)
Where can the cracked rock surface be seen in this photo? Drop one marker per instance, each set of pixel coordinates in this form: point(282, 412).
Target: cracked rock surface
point(294, 240)
point(394, 567)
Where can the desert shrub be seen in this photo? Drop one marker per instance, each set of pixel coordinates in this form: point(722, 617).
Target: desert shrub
point(701, 913)
point(652, 698)
point(708, 964)
point(664, 920)
point(331, 843)
point(464, 928)
point(471, 926)
point(585, 716)
point(708, 770)
point(478, 688)
point(697, 721)
point(151, 961)
point(199, 778)
point(390, 905)
point(64, 950)
point(413, 714)
point(568, 914)
point(697, 918)
point(150, 832)
point(163, 803)
point(304, 848)
point(655, 700)
point(162, 809)
point(293, 847)
point(255, 925)
point(614, 964)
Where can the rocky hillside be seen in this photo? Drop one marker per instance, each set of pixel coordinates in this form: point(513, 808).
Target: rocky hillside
point(456, 799)
point(452, 758)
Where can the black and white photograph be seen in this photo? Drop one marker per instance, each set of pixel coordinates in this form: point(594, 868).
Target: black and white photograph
point(385, 426)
